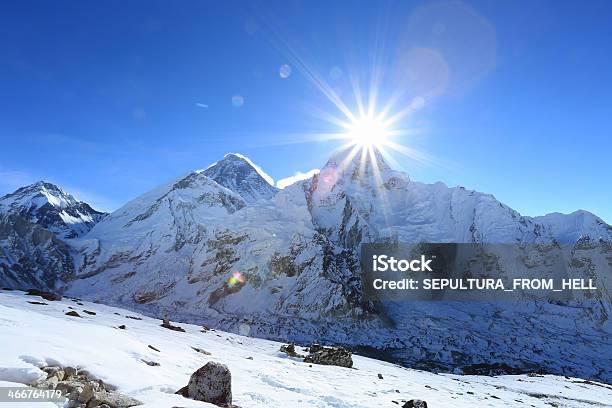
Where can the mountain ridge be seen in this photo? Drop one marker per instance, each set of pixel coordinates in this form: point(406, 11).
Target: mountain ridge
point(289, 264)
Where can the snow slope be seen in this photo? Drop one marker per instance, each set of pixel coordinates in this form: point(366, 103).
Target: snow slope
point(270, 379)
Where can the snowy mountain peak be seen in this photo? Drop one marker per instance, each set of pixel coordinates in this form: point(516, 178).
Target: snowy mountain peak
point(356, 162)
point(574, 226)
point(240, 175)
point(39, 194)
point(49, 206)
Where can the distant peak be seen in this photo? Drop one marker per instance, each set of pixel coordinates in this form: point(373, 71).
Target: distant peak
point(355, 158)
point(41, 186)
point(232, 158)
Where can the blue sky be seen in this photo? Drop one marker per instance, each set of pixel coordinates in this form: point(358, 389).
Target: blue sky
point(109, 99)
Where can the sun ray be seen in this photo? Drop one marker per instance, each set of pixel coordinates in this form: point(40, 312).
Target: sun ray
point(371, 126)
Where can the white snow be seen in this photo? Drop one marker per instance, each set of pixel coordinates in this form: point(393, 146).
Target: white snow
point(32, 336)
point(298, 176)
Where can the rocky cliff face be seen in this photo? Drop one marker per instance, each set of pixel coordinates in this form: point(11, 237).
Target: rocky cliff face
point(218, 246)
point(240, 175)
point(32, 256)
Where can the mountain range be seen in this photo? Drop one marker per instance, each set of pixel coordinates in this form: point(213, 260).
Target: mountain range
point(223, 246)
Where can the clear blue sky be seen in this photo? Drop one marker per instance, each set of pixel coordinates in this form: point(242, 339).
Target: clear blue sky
point(102, 97)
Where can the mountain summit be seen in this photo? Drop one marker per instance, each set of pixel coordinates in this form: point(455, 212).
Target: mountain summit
point(240, 175)
point(50, 207)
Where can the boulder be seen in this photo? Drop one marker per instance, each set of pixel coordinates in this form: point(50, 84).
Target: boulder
point(337, 356)
point(111, 399)
point(211, 383)
point(70, 372)
point(69, 386)
point(415, 403)
point(289, 349)
point(54, 372)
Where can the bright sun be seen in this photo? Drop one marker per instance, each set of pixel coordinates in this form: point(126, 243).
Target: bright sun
point(368, 132)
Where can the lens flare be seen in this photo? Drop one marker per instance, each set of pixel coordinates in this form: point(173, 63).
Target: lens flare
point(235, 279)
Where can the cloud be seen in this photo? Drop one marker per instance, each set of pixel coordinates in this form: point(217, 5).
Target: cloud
point(201, 105)
point(298, 176)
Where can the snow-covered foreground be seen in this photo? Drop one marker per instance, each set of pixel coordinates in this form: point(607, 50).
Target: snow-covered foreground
point(33, 335)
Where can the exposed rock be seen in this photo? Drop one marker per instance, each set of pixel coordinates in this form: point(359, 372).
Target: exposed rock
point(167, 325)
point(211, 383)
point(151, 363)
point(111, 399)
point(89, 312)
point(153, 348)
point(199, 350)
point(47, 383)
point(37, 303)
point(82, 390)
point(53, 371)
point(45, 295)
point(87, 393)
point(415, 403)
point(289, 349)
point(337, 356)
point(73, 314)
point(122, 327)
point(380, 376)
point(70, 372)
point(491, 369)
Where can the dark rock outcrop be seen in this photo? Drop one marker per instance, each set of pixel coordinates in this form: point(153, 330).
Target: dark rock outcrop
point(337, 356)
point(415, 403)
point(211, 383)
point(167, 325)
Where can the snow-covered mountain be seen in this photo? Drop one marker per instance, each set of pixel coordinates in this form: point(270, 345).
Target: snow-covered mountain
point(222, 246)
point(34, 222)
point(239, 174)
point(47, 205)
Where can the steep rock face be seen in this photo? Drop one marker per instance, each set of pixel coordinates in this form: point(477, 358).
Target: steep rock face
point(31, 256)
point(238, 174)
point(47, 205)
